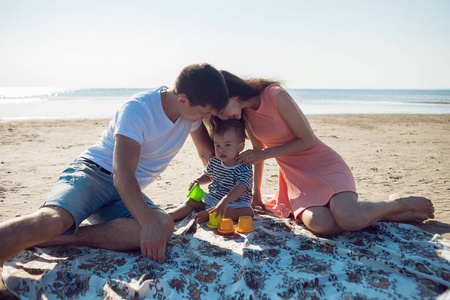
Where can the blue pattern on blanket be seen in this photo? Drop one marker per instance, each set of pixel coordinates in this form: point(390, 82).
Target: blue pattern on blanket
point(279, 260)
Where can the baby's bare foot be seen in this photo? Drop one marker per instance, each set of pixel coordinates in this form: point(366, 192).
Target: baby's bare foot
point(202, 216)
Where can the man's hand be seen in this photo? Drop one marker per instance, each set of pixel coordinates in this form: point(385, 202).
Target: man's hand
point(153, 241)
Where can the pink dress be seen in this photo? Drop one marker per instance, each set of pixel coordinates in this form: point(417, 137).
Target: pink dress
point(307, 178)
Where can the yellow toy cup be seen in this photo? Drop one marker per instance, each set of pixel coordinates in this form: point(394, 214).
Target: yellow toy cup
point(196, 193)
point(245, 224)
point(214, 222)
point(226, 227)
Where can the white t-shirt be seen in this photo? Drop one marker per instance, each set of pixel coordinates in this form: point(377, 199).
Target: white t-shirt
point(143, 119)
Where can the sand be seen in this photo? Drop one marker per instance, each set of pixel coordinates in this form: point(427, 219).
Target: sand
point(407, 154)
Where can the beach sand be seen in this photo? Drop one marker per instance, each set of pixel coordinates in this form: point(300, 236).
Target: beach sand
point(406, 154)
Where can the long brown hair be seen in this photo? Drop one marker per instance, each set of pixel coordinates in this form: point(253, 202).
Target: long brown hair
point(245, 88)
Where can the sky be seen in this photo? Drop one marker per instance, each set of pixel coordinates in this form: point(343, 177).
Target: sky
point(306, 44)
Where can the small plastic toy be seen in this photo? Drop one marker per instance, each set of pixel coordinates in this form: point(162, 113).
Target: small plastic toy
point(196, 193)
point(245, 224)
point(213, 221)
point(226, 227)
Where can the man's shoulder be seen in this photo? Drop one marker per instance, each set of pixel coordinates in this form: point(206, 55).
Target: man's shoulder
point(144, 103)
point(146, 96)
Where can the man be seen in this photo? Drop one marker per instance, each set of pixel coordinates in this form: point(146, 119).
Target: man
point(104, 183)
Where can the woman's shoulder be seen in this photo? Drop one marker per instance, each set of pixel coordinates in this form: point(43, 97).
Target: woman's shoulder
point(273, 90)
point(270, 93)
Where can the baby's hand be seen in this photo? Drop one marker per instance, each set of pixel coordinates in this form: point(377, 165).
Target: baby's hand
point(220, 208)
point(191, 185)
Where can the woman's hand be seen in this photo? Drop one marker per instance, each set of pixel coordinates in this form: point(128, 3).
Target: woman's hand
point(251, 157)
point(257, 203)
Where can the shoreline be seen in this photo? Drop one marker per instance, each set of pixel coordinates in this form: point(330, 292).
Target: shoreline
point(32, 119)
point(405, 154)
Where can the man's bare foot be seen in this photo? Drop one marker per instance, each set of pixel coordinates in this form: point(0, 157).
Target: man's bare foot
point(417, 209)
point(202, 216)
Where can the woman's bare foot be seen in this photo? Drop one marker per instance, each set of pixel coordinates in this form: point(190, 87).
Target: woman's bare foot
point(202, 216)
point(408, 216)
point(417, 209)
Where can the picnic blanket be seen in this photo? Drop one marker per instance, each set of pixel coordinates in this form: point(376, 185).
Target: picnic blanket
point(279, 260)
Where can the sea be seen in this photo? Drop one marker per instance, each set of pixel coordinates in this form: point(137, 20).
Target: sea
point(66, 103)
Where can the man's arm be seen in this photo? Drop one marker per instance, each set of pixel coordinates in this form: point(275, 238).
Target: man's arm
point(125, 163)
point(203, 143)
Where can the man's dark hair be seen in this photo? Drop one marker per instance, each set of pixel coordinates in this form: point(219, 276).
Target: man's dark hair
point(223, 126)
point(203, 85)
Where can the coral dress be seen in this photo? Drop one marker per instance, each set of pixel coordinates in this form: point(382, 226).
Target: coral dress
point(307, 178)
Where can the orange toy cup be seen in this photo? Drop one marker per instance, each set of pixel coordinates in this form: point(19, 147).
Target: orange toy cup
point(226, 227)
point(214, 222)
point(245, 224)
point(196, 193)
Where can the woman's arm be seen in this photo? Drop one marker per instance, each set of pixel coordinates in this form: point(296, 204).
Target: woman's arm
point(290, 113)
point(258, 170)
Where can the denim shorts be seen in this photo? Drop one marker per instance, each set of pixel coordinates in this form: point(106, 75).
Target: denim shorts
point(87, 191)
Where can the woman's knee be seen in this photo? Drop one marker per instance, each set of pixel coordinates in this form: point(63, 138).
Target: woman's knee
point(347, 213)
point(320, 220)
point(353, 224)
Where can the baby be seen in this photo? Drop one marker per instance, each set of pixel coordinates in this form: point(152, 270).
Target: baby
point(230, 189)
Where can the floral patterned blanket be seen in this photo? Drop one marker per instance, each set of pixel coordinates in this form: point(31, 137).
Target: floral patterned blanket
point(279, 260)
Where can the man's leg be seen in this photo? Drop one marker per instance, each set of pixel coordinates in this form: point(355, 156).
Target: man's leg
point(23, 232)
point(119, 234)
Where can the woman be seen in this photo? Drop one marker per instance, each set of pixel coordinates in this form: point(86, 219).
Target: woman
point(316, 186)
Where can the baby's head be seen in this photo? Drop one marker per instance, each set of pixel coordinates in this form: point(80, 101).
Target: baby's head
point(229, 139)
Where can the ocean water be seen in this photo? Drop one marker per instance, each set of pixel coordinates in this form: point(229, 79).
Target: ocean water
point(60, 103)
